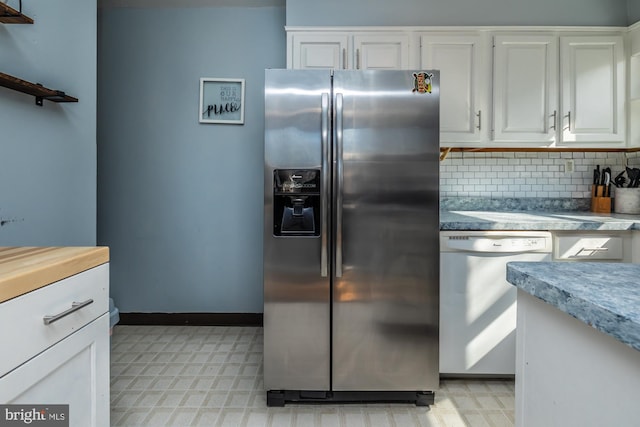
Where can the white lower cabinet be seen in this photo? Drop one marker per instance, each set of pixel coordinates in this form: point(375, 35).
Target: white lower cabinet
point(58, 336)
point(478, 307)
point(563, 363)
point(635, 247)
point(73, 372)
point(592, 246)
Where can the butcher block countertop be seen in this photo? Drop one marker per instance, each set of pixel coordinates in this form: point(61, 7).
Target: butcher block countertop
point(24, 269)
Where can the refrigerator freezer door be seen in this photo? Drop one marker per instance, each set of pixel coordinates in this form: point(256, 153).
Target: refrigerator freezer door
point(386, 289)
point(296, 295)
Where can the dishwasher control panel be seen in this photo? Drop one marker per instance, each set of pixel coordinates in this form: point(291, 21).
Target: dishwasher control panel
point(495, 242)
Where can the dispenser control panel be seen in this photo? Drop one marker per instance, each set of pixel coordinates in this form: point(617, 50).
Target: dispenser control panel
point(296, 197)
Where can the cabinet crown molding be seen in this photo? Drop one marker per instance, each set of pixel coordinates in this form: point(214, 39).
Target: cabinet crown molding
point(634, 27)
point(498, 28)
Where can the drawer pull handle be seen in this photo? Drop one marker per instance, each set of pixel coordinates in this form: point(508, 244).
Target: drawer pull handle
point(591, 250)
point(75, 306)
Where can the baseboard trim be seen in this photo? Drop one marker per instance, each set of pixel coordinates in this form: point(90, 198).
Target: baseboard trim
point(195, 319)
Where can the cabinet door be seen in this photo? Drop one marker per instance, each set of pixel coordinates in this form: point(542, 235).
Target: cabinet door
point(462, 84)
point(634, 87)
point(525, 84)
point(73, 372)
point(635, 247)
point(381, 52)
point(593, 84)
point(318, 50)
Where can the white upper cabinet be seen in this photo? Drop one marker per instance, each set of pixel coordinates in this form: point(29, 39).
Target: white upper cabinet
point(633, 68)
point(593, 84)
point(381, 51)
point(463, 84)
point(348, 51)
point(555, 87)
point(318, 50)
point(565, 91)
point(525, 88)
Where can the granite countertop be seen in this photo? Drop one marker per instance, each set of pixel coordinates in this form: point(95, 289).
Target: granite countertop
point(24, 269)
point(536, 221)
point(605, 296)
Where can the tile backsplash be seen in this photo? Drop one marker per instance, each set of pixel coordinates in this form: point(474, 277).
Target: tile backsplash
point(500, 175)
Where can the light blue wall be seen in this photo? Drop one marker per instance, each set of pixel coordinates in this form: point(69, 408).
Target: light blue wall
point(48, 154)
point(180, 203)
point(457, 12)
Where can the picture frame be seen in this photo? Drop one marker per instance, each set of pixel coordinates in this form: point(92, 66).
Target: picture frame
point(221, 101)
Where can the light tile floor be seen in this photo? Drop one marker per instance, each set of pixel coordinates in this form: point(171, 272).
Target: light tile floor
point(212, 376)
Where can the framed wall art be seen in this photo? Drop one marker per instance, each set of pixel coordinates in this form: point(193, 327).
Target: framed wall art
point(221, 101)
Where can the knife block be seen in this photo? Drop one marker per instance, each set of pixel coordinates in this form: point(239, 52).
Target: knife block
point(600, 203)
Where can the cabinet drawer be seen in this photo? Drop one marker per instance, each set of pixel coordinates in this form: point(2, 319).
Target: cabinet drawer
point(74, 372)
point(24, 331)
point(588, 248)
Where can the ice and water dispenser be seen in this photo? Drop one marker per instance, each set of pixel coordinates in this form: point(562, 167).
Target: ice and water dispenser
point(296, 202)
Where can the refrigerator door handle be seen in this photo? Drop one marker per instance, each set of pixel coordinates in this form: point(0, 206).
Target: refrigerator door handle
point(324, 209)
point(340, 181)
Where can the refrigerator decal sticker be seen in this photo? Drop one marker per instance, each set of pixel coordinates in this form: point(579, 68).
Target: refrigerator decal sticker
point(422, 82)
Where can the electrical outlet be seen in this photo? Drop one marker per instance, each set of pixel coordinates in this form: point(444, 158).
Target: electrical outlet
point(569, 166)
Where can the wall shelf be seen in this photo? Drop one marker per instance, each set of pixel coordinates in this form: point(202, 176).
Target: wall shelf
point(40, 92)
point(9, 15)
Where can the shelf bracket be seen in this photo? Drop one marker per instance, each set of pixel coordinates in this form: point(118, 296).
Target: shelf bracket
point(9, 15)
point(39, 98)
point(57, 97)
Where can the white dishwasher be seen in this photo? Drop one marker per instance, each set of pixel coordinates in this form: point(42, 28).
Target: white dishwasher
point(477, 304)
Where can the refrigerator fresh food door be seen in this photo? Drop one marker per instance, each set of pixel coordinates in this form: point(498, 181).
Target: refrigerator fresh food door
point(386, 228)
point(296, 279)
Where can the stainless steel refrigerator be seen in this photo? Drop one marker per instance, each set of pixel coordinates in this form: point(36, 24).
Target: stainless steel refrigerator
point(351, 248)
